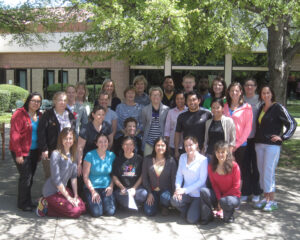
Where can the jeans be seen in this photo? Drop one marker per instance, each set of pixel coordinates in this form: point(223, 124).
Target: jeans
point(239, 155)
point(189, 207)
point(106, 205)
point(267, 160)
point(161, 198)
point(26, 171)
point(227, 203)
point(122, 199)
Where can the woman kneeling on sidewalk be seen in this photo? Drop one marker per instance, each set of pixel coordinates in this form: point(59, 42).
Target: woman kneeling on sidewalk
point(224, 175)
point(59, 201)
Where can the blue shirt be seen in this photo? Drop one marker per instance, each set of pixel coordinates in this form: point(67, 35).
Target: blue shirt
point(34, 137)
point(100, 168)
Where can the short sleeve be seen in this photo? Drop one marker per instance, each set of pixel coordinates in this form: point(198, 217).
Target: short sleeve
point(107, 130)
point(179, 123)
point(88, 157)
point(83, 132)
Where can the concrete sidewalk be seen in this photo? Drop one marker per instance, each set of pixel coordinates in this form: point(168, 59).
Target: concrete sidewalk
point(250, 224)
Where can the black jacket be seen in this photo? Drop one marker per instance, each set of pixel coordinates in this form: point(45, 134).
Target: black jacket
point(49, 129)
point(271, 124)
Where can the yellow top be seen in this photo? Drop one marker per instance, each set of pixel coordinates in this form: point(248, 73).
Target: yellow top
point(261, 115)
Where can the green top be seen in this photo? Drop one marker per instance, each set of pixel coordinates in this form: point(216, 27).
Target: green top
point(207, 103)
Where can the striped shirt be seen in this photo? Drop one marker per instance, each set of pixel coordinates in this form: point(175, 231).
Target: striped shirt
point(154, 131)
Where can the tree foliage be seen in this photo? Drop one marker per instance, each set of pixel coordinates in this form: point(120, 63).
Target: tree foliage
point(28, 22)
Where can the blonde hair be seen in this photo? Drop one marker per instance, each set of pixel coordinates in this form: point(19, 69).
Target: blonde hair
point(106, 81)
point(86, 94)
point(155, 88)
point(57, 95)
point(140, 78)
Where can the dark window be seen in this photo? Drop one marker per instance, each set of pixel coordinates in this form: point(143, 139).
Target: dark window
point(49, 79)
point(21, 78)
point(2, 76)
point(153, 76)
point(63, 77)
point(97, 75)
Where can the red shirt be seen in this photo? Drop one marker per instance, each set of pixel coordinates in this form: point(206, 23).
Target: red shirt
point(226, 185)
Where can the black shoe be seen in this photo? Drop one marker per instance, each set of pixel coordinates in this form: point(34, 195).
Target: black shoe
point(229, 220)
point(33, 204)
point(27, 209)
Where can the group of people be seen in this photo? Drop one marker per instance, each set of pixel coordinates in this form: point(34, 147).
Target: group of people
point(202, 152)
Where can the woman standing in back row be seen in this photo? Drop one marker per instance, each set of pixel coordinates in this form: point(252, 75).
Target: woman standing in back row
point(272, 117)
point(23, 144)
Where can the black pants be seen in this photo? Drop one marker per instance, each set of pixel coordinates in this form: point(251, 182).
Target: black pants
point(26, 171)
point(246, 159)
point(251, 177)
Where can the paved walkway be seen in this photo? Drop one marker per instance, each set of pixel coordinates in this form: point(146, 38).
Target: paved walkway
point(250, 224)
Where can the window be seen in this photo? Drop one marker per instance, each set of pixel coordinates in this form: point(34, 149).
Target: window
point(49, 79)
point(21, 78)
point(97, 75)
point(63, 77)
point(2, 76)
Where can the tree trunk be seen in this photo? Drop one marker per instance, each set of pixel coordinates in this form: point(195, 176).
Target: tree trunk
point(279, 68)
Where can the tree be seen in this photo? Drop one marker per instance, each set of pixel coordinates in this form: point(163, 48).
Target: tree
point(28, 23)
point(144, 31)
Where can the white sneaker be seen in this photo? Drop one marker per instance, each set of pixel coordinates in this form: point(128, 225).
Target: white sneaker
point(255, 198)
point(244, 198)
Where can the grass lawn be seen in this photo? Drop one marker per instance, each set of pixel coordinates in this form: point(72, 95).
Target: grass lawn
point(294, 109)
point(290, 154)
point(5, 117)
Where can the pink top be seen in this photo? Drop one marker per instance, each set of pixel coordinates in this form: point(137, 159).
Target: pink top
point(242, 118)
point(170, 126)
point(226, 185)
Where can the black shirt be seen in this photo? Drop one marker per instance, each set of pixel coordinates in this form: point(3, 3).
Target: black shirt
point(215, 134)
point(127, 170)
point(169, 102)
point(89, 133)
point(193, 124)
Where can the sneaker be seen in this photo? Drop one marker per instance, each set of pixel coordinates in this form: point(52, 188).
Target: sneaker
point(244, 199)
point(255, 198)
point(270, 206)
point(261, 204)
point(42, 207)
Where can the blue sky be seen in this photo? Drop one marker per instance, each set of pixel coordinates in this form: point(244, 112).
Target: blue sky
point(14, 3)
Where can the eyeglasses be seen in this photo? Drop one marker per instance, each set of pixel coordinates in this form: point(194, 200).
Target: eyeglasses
point(35, 101)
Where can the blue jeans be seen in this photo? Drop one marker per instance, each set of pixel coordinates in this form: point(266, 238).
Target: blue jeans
point(267, 160)
point(106, 206)
point(122, 199)
point(209, 201)
point(161, 198)
point(190, 207)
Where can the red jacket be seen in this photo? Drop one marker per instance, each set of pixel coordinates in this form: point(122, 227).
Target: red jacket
point(20, 133)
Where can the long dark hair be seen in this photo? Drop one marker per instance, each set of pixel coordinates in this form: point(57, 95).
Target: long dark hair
point(28, 99)
point(228, 162)
point(271, 90)
point(95, 109)
point(220, 80)
point(166, 154)
point(228, 98)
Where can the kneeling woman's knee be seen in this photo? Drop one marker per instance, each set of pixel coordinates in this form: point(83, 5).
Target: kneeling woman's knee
point(165, 198)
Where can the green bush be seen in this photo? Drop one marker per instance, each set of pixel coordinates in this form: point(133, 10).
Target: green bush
point(93, 92)
point(4, 100)
point(16, 93)
point(52, 89)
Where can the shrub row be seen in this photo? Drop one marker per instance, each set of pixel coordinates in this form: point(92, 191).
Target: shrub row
point(16, 93)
